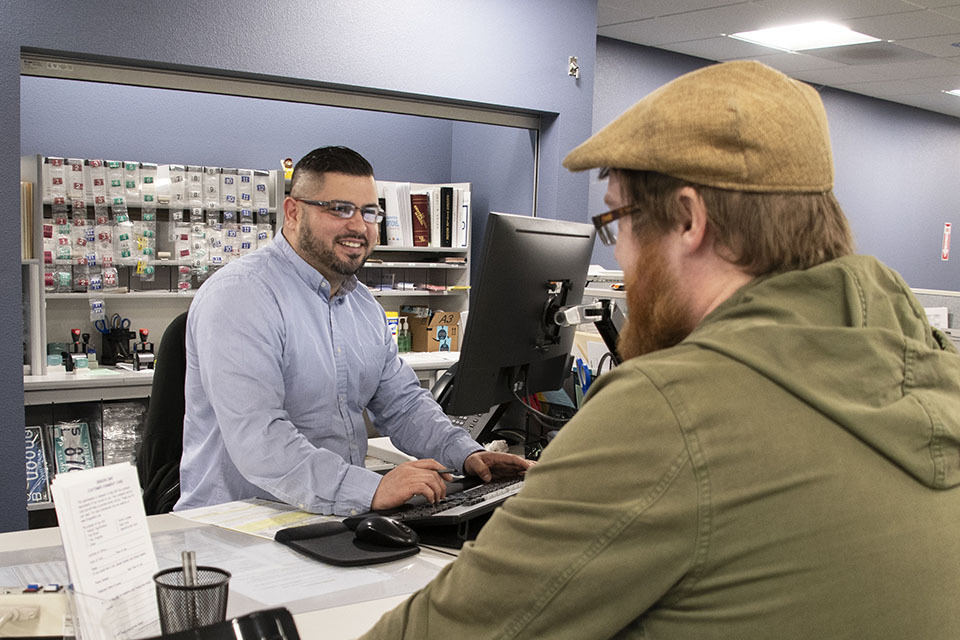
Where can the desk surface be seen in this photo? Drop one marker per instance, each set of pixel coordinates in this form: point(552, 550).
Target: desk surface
point(331, 623)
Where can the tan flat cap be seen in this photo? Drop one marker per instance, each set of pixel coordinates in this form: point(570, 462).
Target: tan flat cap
point(736, 125)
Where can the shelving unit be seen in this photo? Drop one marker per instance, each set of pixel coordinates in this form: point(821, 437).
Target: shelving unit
point(150, 304)
point(419, 266)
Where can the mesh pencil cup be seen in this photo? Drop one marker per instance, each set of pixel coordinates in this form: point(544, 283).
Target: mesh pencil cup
point(185, 607)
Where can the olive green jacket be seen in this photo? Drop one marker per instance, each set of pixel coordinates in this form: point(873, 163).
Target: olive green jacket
point(789, 470)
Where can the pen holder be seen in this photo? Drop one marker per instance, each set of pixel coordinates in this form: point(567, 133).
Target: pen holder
point(185, 607)
point(116, 346)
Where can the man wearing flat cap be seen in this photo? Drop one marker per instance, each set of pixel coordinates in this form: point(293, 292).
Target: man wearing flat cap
point(778, 456)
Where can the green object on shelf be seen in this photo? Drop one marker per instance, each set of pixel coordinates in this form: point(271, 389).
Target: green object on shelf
point(56, 348)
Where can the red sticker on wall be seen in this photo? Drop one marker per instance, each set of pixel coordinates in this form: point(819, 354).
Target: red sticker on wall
point(945, 247)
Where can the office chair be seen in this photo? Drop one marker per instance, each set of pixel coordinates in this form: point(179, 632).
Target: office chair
point(158, 458)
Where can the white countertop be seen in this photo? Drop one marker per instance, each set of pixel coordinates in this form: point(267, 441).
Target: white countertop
point(114, 377)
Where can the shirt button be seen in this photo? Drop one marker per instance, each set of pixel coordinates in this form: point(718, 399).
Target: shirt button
point(353, 512)
point(302, 506)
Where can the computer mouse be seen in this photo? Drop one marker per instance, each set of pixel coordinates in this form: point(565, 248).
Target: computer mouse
point(386, 532)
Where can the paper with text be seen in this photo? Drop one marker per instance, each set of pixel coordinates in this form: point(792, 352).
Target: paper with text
point(109, 554)
point(256, 516)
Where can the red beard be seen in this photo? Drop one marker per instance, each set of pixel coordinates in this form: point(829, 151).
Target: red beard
point(657, 315)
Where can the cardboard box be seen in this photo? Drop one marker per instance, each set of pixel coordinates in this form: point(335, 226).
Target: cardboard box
point(439, 332)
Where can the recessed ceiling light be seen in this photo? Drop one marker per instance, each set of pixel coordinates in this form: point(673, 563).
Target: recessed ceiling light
point(809, 35)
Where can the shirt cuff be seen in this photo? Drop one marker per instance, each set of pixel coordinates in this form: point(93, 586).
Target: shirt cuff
point(356, 491)
point(457, 453)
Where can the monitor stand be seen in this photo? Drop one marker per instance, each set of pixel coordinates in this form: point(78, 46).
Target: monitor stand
point(480, 426)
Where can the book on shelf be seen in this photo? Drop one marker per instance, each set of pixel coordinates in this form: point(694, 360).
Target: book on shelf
point(396, 196)
point(434, 216)
point(382, 236)
point(460, 220)
point(446, 216)
point(443, 208)
point(420, 219)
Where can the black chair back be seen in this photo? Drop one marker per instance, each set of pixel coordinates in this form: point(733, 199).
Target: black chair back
point(158, 457)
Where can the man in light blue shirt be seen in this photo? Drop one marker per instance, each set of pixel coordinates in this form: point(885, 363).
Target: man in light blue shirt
point(285, 350)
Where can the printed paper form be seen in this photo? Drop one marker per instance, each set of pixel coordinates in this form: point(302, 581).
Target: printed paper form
point(255, 516)
point(108, 550)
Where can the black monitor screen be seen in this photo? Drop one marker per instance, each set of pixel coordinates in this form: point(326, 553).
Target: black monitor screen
point(530, 268)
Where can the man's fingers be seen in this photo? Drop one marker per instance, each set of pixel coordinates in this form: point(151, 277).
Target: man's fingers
point(430, 486)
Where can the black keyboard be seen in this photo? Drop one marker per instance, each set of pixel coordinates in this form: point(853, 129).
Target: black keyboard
point(466, 499)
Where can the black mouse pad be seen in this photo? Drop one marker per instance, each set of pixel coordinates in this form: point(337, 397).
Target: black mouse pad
point(334, 543)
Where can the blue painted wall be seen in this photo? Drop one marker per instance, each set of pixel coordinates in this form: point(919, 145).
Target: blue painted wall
point(898, 180)
point(897, 167)
point(180, 127)
point(496, 51)
point(500, 176)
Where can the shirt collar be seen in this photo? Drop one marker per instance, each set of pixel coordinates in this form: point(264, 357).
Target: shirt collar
point(307, 273)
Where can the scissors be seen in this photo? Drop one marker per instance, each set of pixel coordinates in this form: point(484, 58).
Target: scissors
point(583, 375)
point(116, 322)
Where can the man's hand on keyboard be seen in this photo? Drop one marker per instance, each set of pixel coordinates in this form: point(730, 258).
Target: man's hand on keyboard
point(419, 477)
point(489, 465)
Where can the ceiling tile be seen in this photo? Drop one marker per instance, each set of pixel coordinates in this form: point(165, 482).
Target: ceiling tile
point(643, 9)
point(607, 15)
point(696, 28)
point(881, 52)
point(880, 72)
point(938, 83)
point(790, 63)
point(721, 48)
point(931, 4)
point(886, 88)
point(939, 46)
point(832, 77)
point(810, 10)
point(695, 25)
point(914, 24)
point(950, 12)
point(852, 74)
point(939, 102)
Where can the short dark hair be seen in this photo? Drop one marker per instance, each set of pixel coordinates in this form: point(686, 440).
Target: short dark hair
point(331, 160)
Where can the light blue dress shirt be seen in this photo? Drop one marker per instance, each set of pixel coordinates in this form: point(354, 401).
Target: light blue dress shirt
point(278, 375)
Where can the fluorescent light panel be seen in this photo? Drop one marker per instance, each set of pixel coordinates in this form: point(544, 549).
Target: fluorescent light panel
point(953, 92)
point(809, 35)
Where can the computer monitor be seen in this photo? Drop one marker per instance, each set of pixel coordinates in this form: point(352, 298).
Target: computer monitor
point(531, 267)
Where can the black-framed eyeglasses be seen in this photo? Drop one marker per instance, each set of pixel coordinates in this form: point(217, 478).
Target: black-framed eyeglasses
point(606, 230)
point(371, 214)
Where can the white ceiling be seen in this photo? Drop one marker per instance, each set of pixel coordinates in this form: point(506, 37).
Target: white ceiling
point(918, 58)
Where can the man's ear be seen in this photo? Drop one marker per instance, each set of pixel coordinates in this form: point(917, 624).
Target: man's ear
point(693, 221)
point(291, 214)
